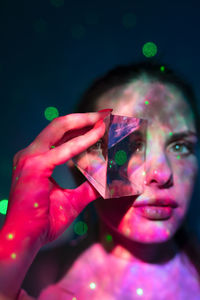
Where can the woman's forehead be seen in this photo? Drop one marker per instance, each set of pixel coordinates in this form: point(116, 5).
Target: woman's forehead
point(159, 103)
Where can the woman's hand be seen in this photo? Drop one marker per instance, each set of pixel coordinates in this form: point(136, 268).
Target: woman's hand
point(37, 204)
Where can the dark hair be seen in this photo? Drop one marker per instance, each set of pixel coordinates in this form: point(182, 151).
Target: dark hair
point(123, 75)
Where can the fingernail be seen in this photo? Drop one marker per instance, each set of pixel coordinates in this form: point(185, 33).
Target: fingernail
point(109, 110)
point(98, 124)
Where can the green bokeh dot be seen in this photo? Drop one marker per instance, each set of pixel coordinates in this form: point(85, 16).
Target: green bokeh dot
point(109, 237)
point(80, 228)
point(3, 206)
point(51, 113)
point(178, 157)
point(162, 68)
point(120, 157)
point(149, 49)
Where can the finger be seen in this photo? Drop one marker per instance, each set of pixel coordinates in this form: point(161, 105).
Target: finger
point(68, 150)
point(58, 127)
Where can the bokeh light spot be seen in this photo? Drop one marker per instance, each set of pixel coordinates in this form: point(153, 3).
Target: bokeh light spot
point(129, 20)
point(10, 236)
point(143, 173)
point(92, 285)
point(80, 228)
point(17, 178)
point(120, 157)
point(14, 168)
point(149, 49)
point(139, 291)
point(52, 147)
point(57, 3)
point(146, 102)
point(109, 238)
point(162, 68)
point(13, 255)
point(178, 157)
point(51, 113)
point(171, 133)
point(78, 31)
point(35, 204)
point(3, 206)
point(74, 298)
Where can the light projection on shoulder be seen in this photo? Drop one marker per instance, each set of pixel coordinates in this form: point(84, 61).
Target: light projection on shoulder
point(115, 163)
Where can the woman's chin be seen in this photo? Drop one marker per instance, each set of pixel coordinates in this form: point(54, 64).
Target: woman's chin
point(145, 239)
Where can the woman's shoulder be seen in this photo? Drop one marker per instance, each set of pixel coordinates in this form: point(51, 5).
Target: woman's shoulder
point(81, 276)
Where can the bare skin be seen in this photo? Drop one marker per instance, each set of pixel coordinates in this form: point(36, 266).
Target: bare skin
point(142, 260)
point(137, 239)
point(39, 210)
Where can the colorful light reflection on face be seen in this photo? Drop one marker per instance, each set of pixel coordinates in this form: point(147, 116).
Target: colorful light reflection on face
point(170, 166)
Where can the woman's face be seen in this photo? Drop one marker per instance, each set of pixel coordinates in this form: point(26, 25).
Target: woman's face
point(170, 165)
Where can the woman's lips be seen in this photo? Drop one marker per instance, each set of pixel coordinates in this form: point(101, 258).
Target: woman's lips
point(154, 212)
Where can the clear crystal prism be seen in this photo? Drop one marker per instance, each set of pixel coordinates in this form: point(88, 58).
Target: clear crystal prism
point(115, 164)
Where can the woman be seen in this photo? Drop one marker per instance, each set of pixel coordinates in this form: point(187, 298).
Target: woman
point(146, 257)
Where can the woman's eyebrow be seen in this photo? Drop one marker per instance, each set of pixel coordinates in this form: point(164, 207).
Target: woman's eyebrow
point(179, 135)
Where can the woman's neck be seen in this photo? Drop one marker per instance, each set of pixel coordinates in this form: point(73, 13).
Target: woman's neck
point(123, 247)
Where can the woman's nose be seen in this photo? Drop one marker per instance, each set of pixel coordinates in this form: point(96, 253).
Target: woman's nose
point(158, 172)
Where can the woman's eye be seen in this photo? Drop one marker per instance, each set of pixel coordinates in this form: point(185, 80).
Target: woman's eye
point(137, 146)
point(183, 148)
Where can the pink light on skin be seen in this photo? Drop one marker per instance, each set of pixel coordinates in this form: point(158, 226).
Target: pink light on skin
point(168, 172)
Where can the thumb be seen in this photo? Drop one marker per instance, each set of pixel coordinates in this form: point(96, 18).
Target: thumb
point(84, 194)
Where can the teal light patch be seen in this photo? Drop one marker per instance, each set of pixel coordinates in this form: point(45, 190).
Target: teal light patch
point(162, 68)
point(149, 49)
point(129, 20)
point(80, 228)
point(51, 113)
point(146, 102)
point(171, 133)
point(78, 31)
point(120, 157)
point(57, 3)
point(3, 206)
